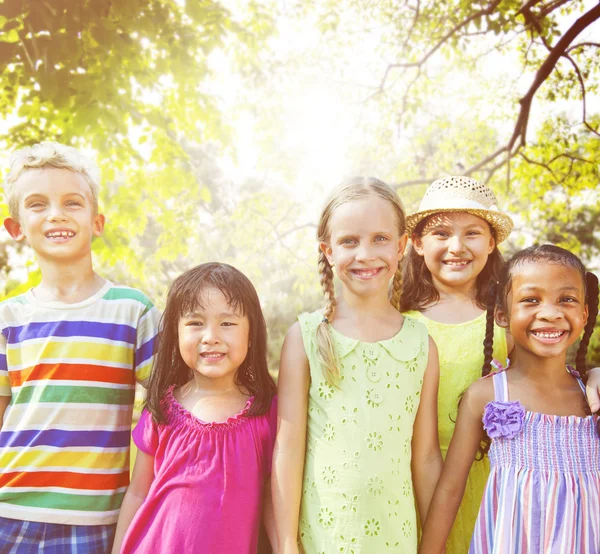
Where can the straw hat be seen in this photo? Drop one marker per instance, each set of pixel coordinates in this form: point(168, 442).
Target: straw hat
point(462, 194)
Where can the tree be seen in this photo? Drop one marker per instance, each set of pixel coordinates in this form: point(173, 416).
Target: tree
point(130, 81)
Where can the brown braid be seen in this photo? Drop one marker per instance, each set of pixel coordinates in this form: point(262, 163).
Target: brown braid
point(397, 288)
point(488, 341)
point(325, 350)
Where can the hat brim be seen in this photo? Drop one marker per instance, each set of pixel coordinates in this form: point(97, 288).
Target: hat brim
point(501, 223)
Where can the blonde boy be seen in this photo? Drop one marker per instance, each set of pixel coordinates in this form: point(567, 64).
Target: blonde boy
point(71, 350)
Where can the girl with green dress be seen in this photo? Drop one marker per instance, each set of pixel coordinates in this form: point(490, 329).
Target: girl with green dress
point(357, 440)
point(448, 270)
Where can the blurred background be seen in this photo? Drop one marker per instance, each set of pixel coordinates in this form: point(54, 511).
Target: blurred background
point(220, 127)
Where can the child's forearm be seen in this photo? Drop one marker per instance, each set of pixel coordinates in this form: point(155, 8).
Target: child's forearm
point(269, 518)
point(286, 483)
point(425, 474)
point(131, 504)
point(440, 518)
point(593, 389)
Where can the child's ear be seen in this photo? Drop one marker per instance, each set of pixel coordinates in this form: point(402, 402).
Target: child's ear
point(417, 244)
point(501, 317)
point(14, 229)
point(98, 225)
point(326, 249)
point(491, 245)
point(402, 241)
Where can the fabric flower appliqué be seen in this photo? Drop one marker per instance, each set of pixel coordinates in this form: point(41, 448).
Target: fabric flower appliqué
point(503, 419)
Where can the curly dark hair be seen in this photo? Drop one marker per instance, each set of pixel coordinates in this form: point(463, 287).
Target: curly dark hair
point(184, 297)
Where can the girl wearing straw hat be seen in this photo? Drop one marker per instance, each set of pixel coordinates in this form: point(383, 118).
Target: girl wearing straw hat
point(448, 270)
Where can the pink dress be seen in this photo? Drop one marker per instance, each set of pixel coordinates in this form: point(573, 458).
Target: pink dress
point(207, 492)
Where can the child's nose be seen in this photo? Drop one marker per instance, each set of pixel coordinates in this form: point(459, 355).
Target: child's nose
point(364, 252)
point(210, 335)
point(455, 244)
point(55, 213)
point(550, 312)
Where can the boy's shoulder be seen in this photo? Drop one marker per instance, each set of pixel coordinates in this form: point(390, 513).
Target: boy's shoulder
point(125, 293)
point(110, 299)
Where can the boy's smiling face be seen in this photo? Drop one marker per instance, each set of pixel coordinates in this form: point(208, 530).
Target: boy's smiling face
point(57, 214)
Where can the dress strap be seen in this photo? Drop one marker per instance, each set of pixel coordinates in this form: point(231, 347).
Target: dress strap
point(575, 374)
point(500, 386)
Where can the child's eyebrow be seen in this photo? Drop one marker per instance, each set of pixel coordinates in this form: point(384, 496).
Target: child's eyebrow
point(526, 288)
point(222, 315)
point(34, 195)
point(345, 236)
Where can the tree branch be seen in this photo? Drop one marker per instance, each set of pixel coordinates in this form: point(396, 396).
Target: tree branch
point(583, 93)
point(520, 130)
point(582, 45)
point(478, 14)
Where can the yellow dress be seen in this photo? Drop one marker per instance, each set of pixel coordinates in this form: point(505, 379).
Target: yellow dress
point(460, 347)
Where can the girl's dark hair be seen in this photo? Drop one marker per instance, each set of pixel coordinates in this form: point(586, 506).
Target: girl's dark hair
point(550, 254)
point(184, 298)
point(418, 290)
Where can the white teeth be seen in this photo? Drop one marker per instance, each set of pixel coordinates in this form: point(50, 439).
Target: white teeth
point(366, 272)
point(217, 355)
point(60, 234)
point(456, 263)
point(547, 335)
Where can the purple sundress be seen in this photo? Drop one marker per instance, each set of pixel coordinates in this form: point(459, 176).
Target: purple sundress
point(543, 492)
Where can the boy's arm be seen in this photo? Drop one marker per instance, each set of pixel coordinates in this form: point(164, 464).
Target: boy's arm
point(290, 444)
point(143, 475)
point(146, 333)
point(426, 463)
point(593, 389)
point(461, 454)
point(5, 391)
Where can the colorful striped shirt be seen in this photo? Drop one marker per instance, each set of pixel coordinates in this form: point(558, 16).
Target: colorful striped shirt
point(71, 371)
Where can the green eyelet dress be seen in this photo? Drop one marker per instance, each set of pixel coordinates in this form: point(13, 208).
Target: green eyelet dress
point(460, 348)
point(357, 490)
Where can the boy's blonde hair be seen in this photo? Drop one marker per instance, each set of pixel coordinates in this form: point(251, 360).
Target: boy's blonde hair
point(355, 188)
point(45, 155)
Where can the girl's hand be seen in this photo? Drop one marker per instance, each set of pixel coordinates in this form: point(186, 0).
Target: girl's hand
point(461, 454)
point(426, 462)
point(143, 475)
point(290, 444)
point(593, 389)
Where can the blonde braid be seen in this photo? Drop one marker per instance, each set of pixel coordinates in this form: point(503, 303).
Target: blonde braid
point(397, 288)
point(325, 349)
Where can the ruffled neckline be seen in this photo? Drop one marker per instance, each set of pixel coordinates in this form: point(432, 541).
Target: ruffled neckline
point(176, 413)
point(535, 417)
point(403, 346)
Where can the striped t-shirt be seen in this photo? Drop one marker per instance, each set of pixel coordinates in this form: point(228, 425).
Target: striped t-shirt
point(70, 370)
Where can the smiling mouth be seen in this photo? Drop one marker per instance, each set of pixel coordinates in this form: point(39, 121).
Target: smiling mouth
point(212, 355)
point(60, 234)
point(367, 273)
point(457, 263)
point(549, 337)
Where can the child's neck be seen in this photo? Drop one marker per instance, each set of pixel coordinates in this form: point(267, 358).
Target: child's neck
point(454, 306)
point(550, 371)
point(68, 283)
point(367, 319)
point(211, 400)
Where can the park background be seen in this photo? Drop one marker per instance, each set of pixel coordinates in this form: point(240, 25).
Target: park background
point(219, 127)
